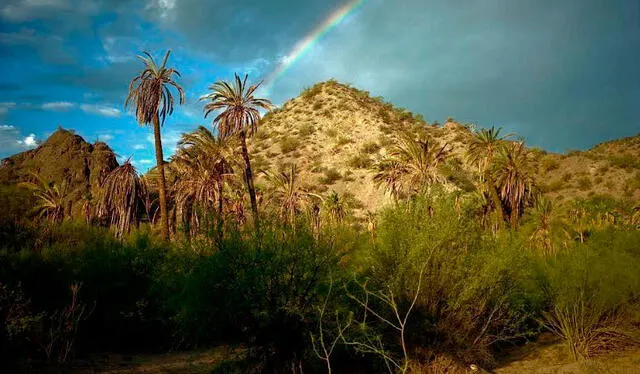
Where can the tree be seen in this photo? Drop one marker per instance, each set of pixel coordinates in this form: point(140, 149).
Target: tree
point(51, 198)
point(513, 179)
point(239, 116)
point(412, 166)
point(204, 165)
point(287, 194)
point(123, 194)
point(485, 145)
point(151, 95)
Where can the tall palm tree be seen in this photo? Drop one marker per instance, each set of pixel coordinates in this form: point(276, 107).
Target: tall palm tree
point(485, 146)
point(286, 192)
point(513, 179)
point(336, 207)
point(51, 198)
point(239, 116)
point(123, 194)
point(411, 167)
point(151, 95)
point(204, 165)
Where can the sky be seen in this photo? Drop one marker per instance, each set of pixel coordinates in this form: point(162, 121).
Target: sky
point(565, 74)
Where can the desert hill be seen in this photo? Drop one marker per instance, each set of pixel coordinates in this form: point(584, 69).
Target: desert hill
point(335, 133)
point(64, 156)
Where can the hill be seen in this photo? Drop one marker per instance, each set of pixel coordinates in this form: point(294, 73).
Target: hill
point(335, 133)
point(64, 156)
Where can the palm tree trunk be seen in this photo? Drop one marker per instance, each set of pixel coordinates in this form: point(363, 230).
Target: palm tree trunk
point(249, 179)
point(220, 222)
point(495, 199)
point(162, 183)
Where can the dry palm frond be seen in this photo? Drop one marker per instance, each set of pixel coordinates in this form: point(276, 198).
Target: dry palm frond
point(123, 193)
point(149, 91)
point(513, 179)
point(287, 194)
point(203, 167)
point(51, 198)
point(411, 167)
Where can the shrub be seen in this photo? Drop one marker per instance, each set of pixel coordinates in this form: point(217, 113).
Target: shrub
point(370, 147)
point(625, 161)
point(593, 306)
point(343, 140)
point(584, 183)
point(330, 176)
point(360, 161)
point(550, 164)
point(307, 129)
point(331, 132)
point(289, 144)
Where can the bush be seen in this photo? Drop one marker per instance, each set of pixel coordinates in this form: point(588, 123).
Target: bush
point(370, 147)
point(307, 129)
point(360, 161)
point(330, 176)
point(593, 307)
point(584, 183)
point(289, 144)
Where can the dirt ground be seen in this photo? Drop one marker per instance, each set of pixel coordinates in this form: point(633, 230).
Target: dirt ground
point(546, 356)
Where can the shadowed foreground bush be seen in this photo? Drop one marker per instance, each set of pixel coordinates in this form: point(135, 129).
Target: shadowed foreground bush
point(461, 293)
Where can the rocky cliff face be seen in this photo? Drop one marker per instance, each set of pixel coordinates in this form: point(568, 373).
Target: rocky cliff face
point(64, 156)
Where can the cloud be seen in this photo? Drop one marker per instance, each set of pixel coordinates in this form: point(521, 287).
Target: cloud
point(58, 105)
point(101, 110)
point(29, 141)
point(145, 161)
point(105, 137)
point(12, 141)
point(250, 30)
point(50, 48)
point(139, 146)
point(5, 107)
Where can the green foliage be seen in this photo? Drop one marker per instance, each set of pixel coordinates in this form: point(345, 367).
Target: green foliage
point(625, 161)
point(584, 183)
point(307, 129)
point(289, 144)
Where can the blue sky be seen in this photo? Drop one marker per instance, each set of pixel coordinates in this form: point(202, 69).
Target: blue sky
point(565, 74)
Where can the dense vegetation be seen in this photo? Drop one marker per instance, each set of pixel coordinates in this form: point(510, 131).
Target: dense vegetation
point(457, 268)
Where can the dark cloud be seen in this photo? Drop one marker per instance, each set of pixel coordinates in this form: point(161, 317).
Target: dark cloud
point(237, 31)
point(562, 73)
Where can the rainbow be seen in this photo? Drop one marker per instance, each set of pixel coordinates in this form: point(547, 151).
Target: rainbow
point(305, 45)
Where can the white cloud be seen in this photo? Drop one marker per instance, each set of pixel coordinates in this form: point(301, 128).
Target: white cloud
point(105, 137)
point(145, 161)
point(29, 141)
point(6, 106)
point(101, 110)
point(139, 146)
point(163, 7)
point(12, 141)
point(58, 105)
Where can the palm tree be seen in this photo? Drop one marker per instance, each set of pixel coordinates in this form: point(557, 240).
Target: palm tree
point(513, 179)
point(485, 145)
point(204, 165)
point(123, 194)
point(51, 198)
point(541, 236)
point(336, 207)
point(150, 93)
point(286, 192)
point(239, 116)
point(411, 167)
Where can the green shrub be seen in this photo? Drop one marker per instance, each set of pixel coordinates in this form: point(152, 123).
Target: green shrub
point(550, 164)
point(331, 132)
point(625, 161)
point(289, 144)
point(307, 129)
